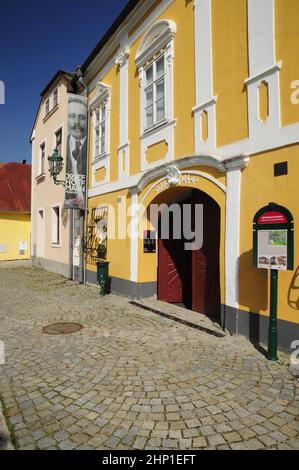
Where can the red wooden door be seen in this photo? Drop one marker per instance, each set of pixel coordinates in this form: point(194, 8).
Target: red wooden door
point(170, 282)
point(205, 262)
point(192, 277)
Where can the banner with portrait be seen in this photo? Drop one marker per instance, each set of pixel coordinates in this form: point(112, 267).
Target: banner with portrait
point(76, 155)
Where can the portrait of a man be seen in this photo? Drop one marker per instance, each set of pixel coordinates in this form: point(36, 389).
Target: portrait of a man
point(76, 153)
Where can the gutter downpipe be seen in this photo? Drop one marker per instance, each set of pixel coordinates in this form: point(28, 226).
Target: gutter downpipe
point(71, 235)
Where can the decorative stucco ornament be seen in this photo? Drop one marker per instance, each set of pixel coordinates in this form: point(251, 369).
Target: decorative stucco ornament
point(173, 176)
point(122, 57)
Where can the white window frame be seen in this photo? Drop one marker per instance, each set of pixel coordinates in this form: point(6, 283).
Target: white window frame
point(154, 84)
point(158, 41)
point(56, 226)
point(42, 160)
point(101, 99)
point(59, 130)
point(57, 98)
point(102, 142)
point(40, 233)
point(47, 107)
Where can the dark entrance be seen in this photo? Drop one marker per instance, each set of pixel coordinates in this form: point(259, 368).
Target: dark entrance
point(192, 278)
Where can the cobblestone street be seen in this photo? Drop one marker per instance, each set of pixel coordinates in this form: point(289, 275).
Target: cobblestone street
point(130, 379)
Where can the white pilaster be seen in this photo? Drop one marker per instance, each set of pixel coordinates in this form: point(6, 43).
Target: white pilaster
point(261, 35)
point(232, 236)
point(205, 101)
point(262, 67)
point(134, 238)
point(123, 150)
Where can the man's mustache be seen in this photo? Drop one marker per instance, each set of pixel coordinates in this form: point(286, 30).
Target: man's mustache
point(77, 126)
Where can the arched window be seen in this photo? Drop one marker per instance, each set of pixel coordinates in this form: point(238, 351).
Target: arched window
point(100, 111)
point(99, 108)
point(154, 60)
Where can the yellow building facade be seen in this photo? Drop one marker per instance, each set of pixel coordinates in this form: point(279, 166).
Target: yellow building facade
point(197, 101)
point(14, 236)
point(15, 181)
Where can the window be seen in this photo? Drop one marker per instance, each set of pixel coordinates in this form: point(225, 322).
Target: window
point(56, 226)
point(99, 107)
point(3, 248)
point(40, 237)
point(154, 61)
point(22, 246)
point(42, 159)
point(58, 135)
point(47, 107)
point(155, 93)
point(55, 98)
point(51, 103)
point(100, 132)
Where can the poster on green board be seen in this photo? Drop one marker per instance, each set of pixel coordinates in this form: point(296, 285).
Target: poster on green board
point(272, 249)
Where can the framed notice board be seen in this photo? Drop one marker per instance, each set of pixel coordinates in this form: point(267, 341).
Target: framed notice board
point(273, 238)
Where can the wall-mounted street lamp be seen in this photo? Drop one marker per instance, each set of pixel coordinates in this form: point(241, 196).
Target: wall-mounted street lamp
point(55, 167)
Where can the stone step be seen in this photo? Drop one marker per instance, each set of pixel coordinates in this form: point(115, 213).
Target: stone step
point(182, 315)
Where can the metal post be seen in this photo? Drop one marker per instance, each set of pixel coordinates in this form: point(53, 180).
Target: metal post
point(272, 344)
point(82, 254)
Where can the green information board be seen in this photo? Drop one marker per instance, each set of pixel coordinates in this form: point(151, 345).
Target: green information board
point(273, 249)
point(273, 238)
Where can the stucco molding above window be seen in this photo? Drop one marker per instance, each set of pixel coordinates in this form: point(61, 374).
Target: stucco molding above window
point(157, 37)
point(101, 94)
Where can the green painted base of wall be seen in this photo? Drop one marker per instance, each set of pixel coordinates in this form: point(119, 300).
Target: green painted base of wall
point(52, 266)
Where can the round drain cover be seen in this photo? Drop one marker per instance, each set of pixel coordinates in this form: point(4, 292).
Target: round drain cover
point(62, 328)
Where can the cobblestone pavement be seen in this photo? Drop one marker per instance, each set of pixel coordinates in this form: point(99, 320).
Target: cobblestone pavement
point(130, 379)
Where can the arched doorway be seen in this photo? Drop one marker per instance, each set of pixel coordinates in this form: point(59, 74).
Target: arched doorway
point(191, 277)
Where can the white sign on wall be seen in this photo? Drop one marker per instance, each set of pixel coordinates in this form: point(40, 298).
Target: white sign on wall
point(23, 246)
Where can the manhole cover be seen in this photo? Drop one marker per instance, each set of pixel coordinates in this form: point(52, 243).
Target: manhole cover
point(62, 328)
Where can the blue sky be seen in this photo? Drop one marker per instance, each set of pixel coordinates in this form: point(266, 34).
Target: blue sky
point(37, 38)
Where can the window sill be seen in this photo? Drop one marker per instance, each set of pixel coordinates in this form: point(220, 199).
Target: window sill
point(40, 177)
point(158, 127)
point(158, 124)
point(56, 245)
point(101, 157)
point(50, 113)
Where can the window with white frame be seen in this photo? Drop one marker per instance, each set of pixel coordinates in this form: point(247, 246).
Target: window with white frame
point(154, 60)
point(47, 107)
point(100, 132)
point(155, 92)
point(58, 138)
point(56, 225)
point(100, 110)
point(42, 158)
point(55, 97)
